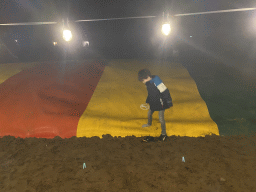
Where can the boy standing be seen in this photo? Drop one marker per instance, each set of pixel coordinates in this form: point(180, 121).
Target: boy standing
point(159, 98)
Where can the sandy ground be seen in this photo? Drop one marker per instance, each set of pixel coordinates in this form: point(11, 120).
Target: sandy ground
point(212, 164)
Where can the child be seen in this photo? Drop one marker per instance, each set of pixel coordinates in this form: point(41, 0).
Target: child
point(159, 98)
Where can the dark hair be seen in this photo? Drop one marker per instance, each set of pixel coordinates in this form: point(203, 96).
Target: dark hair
point(143, 74)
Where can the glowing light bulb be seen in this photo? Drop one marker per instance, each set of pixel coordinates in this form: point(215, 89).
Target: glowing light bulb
point(67, 35)
point(166, 29)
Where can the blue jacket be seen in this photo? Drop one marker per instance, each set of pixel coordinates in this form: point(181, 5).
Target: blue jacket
point(159, 97)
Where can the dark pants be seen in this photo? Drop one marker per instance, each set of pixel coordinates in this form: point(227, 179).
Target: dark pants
point(161, 119)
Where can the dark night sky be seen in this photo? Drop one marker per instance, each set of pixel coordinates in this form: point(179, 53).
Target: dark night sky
point(233, 30)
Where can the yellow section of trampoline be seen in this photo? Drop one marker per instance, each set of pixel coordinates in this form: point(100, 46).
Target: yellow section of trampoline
point(115, 105)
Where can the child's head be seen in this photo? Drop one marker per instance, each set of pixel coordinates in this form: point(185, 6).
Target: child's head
point(144, 74)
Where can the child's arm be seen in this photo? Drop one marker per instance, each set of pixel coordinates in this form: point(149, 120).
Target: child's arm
point(164, 91)
point(166, 97)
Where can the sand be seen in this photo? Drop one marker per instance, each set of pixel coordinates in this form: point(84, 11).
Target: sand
point(212, 164)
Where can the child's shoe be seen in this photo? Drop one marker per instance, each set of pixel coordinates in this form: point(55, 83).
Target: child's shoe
point(149, 139)
point(146, 125)
point(162, 137)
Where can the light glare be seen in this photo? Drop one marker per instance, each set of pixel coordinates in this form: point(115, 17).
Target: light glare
point(67, 35)
point(86, 44)
point(166, 29)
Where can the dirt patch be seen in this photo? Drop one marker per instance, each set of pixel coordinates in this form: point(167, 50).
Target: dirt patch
point(212, 163)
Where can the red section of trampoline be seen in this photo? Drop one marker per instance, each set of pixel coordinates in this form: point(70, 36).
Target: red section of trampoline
point(48, 100)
